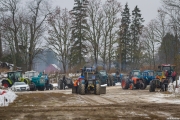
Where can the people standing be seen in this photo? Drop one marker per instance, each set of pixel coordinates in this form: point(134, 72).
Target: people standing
point(76, 85)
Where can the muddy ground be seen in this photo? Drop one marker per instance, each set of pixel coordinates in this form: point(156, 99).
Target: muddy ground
point(115, 104)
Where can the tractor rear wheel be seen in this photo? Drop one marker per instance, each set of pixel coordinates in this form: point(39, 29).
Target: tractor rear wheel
point(32, 87)
point(5, 84)
point(97, 92)
point(60, 84)
point(131, 86)
point(124, 84)
point(151, 87)
point(51, 87)
point(82, 88)
point(47, 87)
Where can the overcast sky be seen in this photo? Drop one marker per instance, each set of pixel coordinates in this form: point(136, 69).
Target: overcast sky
point(148, 7)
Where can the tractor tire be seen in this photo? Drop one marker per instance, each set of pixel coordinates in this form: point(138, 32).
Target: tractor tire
point(131, 86)
point(125, 84)
point(151, 87)
point(145, 84)
point(51, 87)
point(142, 86)
point(32, 87)
point(109, 81)
point(47, 87)
point(82, 88)
point(5, 84)
point(60, 84)
point(97, 90)
point(163, 88)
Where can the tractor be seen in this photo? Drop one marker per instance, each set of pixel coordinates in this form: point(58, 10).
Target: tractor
point(14, 76)
point(40, 82)
point(89, 82)
point(147, 76)
point(134, 81)
point(160, 81)
point(114, 78)
point(169, 71)
point(68, 82)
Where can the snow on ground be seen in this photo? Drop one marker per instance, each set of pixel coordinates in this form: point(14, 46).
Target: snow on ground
point(172, 87)
point(6, 97)
point(163, 98)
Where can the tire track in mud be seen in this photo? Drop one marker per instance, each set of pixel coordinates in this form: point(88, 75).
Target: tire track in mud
point(96, 100)
point(109, 100)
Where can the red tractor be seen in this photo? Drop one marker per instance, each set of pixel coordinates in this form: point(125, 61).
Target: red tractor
point(134, 81)
point(169, 71)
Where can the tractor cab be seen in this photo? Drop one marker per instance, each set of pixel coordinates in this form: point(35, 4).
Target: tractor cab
point(14, 76)
point(135, 73)
point(166, 67)
point(169, 71)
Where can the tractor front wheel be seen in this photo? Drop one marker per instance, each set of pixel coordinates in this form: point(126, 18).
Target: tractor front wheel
point(82, 88)
point(97, 89)
point(5, 84)
point(152, 87)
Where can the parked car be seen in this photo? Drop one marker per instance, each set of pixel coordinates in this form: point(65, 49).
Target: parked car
point(20, 86)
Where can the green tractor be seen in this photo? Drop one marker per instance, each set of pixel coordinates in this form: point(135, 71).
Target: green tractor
point(14, 76)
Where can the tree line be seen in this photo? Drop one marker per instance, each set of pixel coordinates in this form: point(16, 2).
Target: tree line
point(101, 34)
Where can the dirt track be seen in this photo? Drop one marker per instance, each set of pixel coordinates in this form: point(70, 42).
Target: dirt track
point(115, 104)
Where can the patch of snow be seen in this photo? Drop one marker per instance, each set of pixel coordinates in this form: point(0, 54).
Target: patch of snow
point(104, 85)
point(172, 87)
point(118, 84)
point(163, 98)
point(6, 97)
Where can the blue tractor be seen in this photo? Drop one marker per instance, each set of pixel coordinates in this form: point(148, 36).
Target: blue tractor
point(148, 76)
point(89, 82)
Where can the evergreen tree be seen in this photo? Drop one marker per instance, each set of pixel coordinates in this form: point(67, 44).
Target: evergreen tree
point(167, 49)
point(124, 36)
point(136, 30)
point(78, 49)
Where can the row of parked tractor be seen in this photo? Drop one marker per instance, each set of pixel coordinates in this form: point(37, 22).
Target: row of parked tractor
point(92, 81)
point(35, 80)
point(156, 79)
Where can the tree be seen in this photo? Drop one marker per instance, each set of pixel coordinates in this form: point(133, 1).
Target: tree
point(136, 30)
point(60, 34)
point(39, 10)
point(167, 49)
point(79, 33)
point(10, 24)
point(95, 25)
point(150, 42)
point(124, 40)
point(112, 10)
